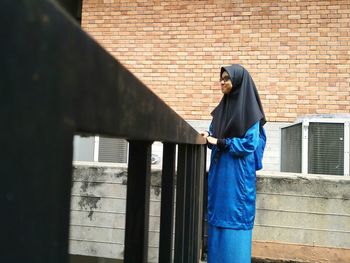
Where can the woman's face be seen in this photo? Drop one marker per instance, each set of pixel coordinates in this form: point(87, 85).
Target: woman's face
point(226, 84)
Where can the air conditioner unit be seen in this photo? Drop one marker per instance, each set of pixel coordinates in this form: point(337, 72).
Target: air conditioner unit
point(104, 149)
point(100, 149)
point(317, 144)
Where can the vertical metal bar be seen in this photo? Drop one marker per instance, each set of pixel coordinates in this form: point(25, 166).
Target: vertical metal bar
point(189, 192)
point(204, 209)
point(36, 183)
point(167, 204)
point(180, 204)
point(194, 201)
point(196, 222)
point(201, 171)
point(189, 204)
point(137, 202)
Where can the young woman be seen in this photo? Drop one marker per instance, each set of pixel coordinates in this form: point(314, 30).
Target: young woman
point(237, 139)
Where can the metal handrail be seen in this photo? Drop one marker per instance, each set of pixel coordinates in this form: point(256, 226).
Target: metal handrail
point(57, 81)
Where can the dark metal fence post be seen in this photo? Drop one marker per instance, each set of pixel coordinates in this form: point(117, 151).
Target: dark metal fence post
point(190, 200)
point(200, 196)
point(180, 204)
point(167, 204)
point(189, 196)
point(137, 202)
point(205, 219)
point(36, 171)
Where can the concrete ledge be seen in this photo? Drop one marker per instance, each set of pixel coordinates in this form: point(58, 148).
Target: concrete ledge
point(278, 252)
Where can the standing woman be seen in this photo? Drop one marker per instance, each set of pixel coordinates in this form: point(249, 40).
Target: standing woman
point(237, 140)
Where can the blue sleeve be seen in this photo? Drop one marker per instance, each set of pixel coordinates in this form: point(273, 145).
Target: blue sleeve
point(210, 129)
point(247, 144)
point(210, 146)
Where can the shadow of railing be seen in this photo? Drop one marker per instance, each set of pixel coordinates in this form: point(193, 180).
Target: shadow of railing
point(57, 81)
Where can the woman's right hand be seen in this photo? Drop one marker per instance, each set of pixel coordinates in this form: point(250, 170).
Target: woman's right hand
point(212, 140)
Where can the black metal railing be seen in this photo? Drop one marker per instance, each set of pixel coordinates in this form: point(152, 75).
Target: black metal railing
point(55, 82)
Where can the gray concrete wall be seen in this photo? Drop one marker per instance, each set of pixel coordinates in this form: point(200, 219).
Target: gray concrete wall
point(98, 211)
point(309, 211)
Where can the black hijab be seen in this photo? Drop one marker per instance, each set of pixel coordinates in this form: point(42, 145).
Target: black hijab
point(240, 109)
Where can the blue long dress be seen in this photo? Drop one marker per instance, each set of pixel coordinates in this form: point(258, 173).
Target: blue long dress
point(231, 196)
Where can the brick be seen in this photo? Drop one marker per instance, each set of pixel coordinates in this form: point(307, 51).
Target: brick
point(297, 52)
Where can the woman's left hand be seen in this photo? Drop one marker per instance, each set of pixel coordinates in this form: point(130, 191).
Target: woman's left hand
point(205, 134)
point(212, 140)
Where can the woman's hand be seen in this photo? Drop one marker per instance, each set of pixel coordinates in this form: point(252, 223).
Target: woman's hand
point(212, 140)
point(205, 134)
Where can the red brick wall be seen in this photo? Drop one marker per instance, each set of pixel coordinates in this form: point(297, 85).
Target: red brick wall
point(298, 52)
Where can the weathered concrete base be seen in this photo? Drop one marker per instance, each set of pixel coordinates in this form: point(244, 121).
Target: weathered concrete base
point(279, 252)
point(305, 218)
point(265, 260)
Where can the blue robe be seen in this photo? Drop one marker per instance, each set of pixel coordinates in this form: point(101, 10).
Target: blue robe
point(232, 194)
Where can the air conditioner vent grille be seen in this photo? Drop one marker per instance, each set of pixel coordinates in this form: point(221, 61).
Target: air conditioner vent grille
point(291, 149)
point(326, 148)
point(112, 150)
